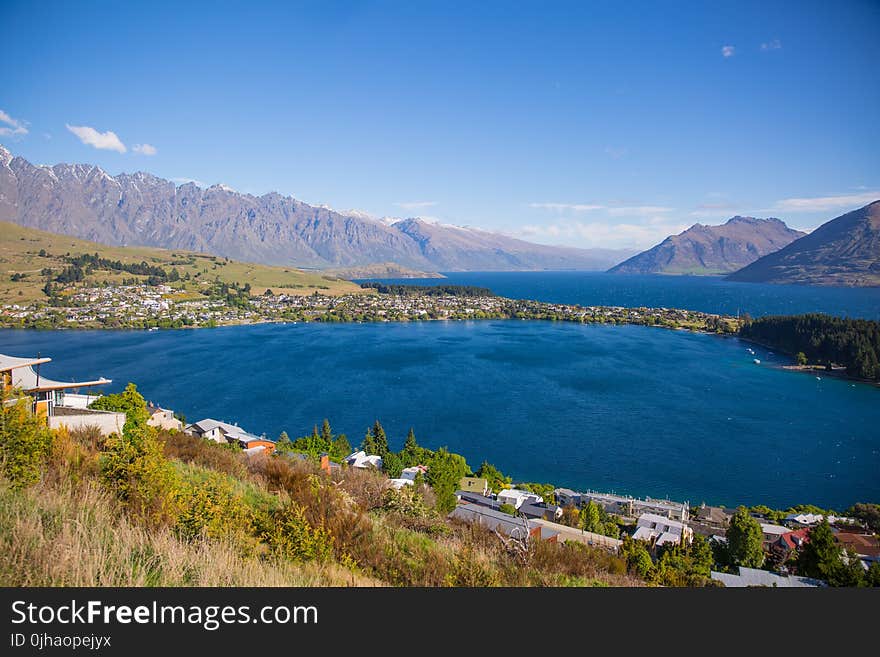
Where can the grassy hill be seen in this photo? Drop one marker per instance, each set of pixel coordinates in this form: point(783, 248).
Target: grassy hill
point(155, 508)
point(21, 259)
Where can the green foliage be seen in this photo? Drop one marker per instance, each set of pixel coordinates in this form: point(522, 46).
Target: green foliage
point(509, 509)
point(211, 508)
point(406, 501)
point(134, 465)
point(445, 471)
point(375, 441)
point(544, 490)
point(820, 555)
point(25, 440)
point(745, 540)
point(801, 358)
point(638, 559)
point(392, 464)
point(594, 518)
point(128, 401)
point(318, 442)
point(289, 534)
point(496, 479)
point(866, 513)
point(685, 565)
point(853, 343)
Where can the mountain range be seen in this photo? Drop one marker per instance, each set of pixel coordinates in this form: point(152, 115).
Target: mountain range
point(843, 251)
point(84, 201)
point(712, 249)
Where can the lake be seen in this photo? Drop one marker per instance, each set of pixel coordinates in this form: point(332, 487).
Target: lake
point(630, 409)
point(711, 294)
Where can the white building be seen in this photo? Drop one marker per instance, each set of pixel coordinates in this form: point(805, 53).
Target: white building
point(517, 498)
point(360, 459)
point(661, 530)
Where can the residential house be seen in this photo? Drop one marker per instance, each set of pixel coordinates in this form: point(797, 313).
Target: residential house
point(223, 432)
point(866, 546)
point(545, 511)
point(408, 476)
point(474, 485)
point(49, 397)
point(788, 544)
point(772, 532)
point(810, 519)
point(162, 418)
point(660, 530)
point(713, 516)
point(503, 523)
point(476, 498)
point(565, 534)
point(567, 497)
point(361, 459)
point(755, 577)
point(517, 498)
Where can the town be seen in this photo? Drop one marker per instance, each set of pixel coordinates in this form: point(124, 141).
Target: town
point(144, 306)
point(640, 530)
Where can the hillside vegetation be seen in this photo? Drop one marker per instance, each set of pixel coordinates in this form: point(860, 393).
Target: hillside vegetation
point(29, 258)
point(161, 509)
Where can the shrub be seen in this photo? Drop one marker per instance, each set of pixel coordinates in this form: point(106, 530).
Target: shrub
point(293, 537)
point(25, 440)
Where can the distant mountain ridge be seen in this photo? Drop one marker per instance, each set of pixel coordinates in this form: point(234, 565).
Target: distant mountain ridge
point(842, 251)
point(712, 249)
point(141, 209)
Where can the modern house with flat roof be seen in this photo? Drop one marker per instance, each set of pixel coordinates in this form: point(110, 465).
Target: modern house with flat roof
point(52, 399)
point(223, 432)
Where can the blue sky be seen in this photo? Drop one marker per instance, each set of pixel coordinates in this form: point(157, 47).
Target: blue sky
point(586, 124)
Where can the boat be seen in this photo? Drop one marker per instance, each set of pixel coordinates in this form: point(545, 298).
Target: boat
point(153, 328)
point(757, 362)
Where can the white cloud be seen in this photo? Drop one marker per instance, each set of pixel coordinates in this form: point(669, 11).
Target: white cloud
point(594, 234)
point(415, 205)
point(728, 51)
point(566, 207)
point(12, 127)
point(775, 44)
point(616, 153)
point(145, 149)
point(826, 203)
point(107, 141)
point(638, 210)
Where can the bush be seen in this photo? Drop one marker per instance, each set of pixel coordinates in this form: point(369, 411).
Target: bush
point(293, 537)
point(25, 440)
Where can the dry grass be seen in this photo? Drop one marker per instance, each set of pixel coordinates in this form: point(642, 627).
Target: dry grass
point(75, 535)
point(69, 531)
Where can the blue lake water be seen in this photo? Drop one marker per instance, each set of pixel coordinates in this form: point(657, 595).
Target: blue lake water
point(710, 294)
point(637, 410)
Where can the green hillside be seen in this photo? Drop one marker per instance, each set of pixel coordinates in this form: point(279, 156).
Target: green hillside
point(27, 255)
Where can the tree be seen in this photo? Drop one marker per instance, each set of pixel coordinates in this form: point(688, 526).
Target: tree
point(745, 540)
point(820, 555)
point(445, 471)
point(801, 358)
point(340, 447)
point(867, 513)
point(326, 433)
point(591, 521)
point(509, 509)
point(496, 479)
point(392, 464)
point(375, 441)
point(637, 557)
